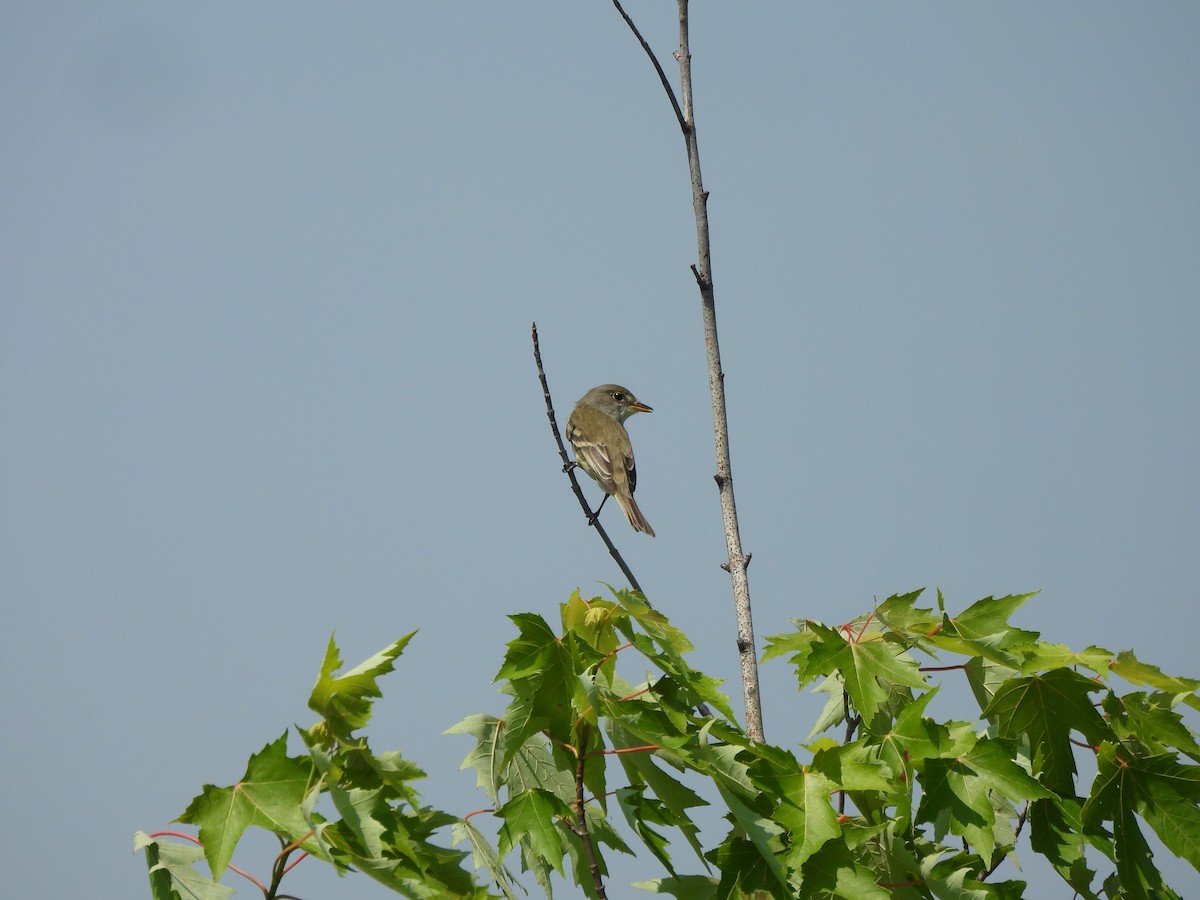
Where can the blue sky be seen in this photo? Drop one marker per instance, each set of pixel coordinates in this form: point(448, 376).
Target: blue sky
point(268, 276)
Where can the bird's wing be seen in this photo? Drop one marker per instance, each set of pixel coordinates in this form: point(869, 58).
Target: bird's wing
point(596, 462)
point(597, 459)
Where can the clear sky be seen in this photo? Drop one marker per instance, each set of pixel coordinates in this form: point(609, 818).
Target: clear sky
point(267, 272)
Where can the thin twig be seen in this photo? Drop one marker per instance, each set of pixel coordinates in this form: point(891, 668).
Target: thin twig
point(702, 270)
point(581, 828)
point(662, 76)
point(569, 469)
point(1021, 819)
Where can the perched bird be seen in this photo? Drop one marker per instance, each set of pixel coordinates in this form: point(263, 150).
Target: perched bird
point(596, 430)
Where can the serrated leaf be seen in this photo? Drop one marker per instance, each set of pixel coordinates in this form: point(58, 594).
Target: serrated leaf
point(1047, 708)
point(1043, 656)
point(953, 879)
point(985, 677)
point(673, 797)
point(854, 767)
point(664, 647)
point(982, 629)
point(809, 818)
point(685, 887)
point(654, 623)
point(173, 873)
point(1150, 720)
point(745, 872)
point(1165, 793)
point(529, 819)
point(863, 663)
point(542, 672)
point(529, 652)
point(901, 614)
point(1139, 673)
point(269, 795)
point(1123, 787)
point(834, 874)
point(484, 758)
point(958, 793)
point(344, 701)
point(1055, 832)
point(484, 857)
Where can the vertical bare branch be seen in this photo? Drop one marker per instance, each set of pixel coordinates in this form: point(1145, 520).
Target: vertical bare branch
point(738, 561)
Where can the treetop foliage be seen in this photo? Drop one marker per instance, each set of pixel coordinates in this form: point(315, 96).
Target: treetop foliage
point(611, 739)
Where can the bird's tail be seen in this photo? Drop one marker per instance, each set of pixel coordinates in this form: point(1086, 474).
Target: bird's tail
point(634, 515)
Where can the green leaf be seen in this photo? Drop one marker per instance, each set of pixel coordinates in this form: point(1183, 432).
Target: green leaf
point(1125, 786)
point(485, 756)
point(958, 793)
point(173, 875)
point(1165, 793)
point(985, 678)
point(1043, 656)
point(407, 862)
point(834, 873)
point(1150, 721)
point(485, 857)
point(654, 623)
point(640, 813)
point(532, 649)
point(542, 672)
point(1056, 833)
point(674, 800)
point(1047, 708)
point(664, 646)
point(344, 701)
point(900, 614)
point(745, 871)
point(982, 629)
point(954, 879)
point(270, 795)
point(809, 818)
point(685, 887)
point(863, 662)
point(529, 819)
point(1139, 673)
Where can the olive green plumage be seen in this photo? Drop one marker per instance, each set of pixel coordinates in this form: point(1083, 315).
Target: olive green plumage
point(596, 429)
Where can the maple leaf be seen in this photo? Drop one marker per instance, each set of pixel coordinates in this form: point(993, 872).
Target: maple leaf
point(1047, 708)
point(344, 701)
point(270, 795)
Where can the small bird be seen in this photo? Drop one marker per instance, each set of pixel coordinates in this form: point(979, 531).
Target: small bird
point(596, 430)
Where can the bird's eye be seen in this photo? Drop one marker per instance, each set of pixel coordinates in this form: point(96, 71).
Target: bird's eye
point(618, 396)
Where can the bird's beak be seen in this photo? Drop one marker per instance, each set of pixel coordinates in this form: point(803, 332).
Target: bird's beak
point(641, 407)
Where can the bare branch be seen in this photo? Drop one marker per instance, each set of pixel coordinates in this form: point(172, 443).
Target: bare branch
point(662, 76)
point(702, 271)
point(569, 466)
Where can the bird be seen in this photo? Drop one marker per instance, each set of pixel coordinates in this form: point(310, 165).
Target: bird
point(596, 429)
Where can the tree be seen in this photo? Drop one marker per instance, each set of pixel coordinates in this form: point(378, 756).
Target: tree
point(901, 803)
point(905, 804)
